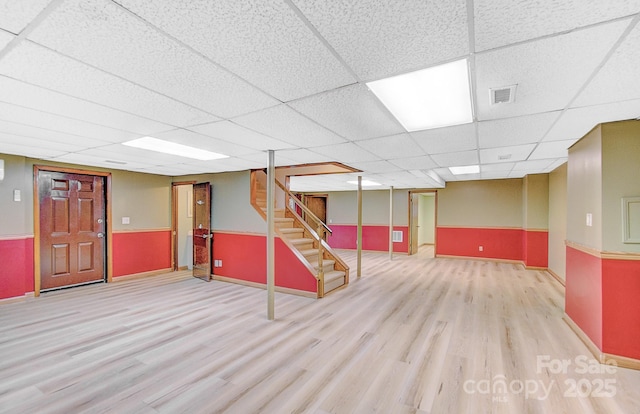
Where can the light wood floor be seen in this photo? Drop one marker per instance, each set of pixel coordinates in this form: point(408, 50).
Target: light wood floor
point(415, 335)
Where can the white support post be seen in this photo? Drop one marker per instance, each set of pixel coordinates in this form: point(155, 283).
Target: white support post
point(359, 236)
point(271, 184)
point(391, 223)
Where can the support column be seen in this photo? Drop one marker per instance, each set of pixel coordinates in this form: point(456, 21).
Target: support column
point(391, 223)
point(359, 237)
point(271, 184)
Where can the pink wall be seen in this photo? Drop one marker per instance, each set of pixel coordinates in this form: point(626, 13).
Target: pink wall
point(141, 251)
point(16, 267)
point(374, 238)
point(244, 258)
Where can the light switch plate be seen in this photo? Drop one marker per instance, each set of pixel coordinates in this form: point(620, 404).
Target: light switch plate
point(17, 195)
point(126, 220)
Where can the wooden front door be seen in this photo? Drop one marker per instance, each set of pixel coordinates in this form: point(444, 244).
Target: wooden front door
point(202, 236)
point(72, 229)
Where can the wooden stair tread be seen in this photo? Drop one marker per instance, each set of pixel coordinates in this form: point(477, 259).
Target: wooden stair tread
point(291, 230)
point(331, 276)
point(300, 241)
point(325, 263)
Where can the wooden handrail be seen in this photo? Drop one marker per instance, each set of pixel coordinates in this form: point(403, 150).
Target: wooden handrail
point(303, 207)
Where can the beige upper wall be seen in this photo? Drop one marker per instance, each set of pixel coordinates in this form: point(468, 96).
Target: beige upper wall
point(145, 198)
point(15, 216)
point(426, 219)
point(584, 190)
point(536, 201)
point(620, 178)
point(489, 203)
point(231, 202)
point(558, 221)
point(342, 207)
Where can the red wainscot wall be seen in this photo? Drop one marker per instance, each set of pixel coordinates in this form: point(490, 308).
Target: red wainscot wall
point(375, 238)
point(141, 251)
point(16, 266)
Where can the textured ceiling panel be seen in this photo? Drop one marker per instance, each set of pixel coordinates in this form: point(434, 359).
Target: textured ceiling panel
point(261, 159)
point(395, 146)
point(381, 38)
point(118, 152)
point(21, 132)
point(228, 131)
point(352, 112)
point(549, 72)
point(453, 159)
point(70, 77)
point(122, 44)
point(506, 154)
point(414, 163)
point(375, 166)
point(285, 124)
point(515, 131)
point(261, 40)
point(192, 139)
point(501, 22)
point(5, 38)
point(303, 156)
point(45, 144)
point(28, 151)
point(618, 79)
point(44, 120)
point(15, 15)
point(533, 165)
point(101, 159)
point(552, 149)
point(347, 152)
point(575, 123)
point(500, 167)
point(440, 140)
point(34, 97)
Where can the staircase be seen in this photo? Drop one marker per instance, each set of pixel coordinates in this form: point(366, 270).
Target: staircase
point(307, 243)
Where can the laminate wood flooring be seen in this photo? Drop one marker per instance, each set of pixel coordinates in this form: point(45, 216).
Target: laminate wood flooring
point(412, 335)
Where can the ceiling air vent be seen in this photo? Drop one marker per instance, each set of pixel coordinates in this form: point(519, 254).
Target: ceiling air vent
point(505, 94)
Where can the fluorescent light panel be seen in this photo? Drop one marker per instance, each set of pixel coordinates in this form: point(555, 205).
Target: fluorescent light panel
point(365, 183)
point(430, 98)
point(167, 147)
point(467, 169)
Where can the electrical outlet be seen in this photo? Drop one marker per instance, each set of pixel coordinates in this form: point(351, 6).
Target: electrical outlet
point(220, 263)
point(480, 248)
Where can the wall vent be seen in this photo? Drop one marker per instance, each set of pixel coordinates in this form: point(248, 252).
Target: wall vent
point(505, 94)
point(397, 236)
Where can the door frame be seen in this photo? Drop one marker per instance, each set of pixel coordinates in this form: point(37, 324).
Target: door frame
point(409, 221)
point(108, 262)
point(174, 221)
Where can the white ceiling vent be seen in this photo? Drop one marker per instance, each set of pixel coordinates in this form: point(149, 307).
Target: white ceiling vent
point(505, 94)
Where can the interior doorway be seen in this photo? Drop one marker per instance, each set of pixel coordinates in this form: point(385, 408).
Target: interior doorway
point(72, 227)
point(422, 222)
point(182, 226)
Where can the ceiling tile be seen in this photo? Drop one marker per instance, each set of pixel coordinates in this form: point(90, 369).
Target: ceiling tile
point(618, 79)
point(552, 149)
point(99, 159)
point(29, 151)
point(262, 41)
point(25, 116)
point(548, 72)
point(532, 165)
point(131, 155)
point(193, 139)
point(16, 15)
point(451, 139)
point(555, 164)
point(375, 166)
point(395, 146)
point(227, 164)
point(5, 39)
point(73, 78)
point(423, 162)
point(20, 132)
point(383, 38)
point(44, 144)
point(261, 158)
point(453, 159)
point(577, 122)
point(501, 22)
point(231, 132)
point(285, 124)
point(497, 168)
point(303, 156)
point(352, 112)
point(122, 44)
point(515, 131)
point(346, 153)
point(517, 153)
point(34, 97)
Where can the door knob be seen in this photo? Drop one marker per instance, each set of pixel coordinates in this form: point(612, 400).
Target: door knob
point(100, 235)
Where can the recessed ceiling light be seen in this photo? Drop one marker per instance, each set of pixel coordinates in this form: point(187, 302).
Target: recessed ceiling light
point(430, 98)
point(365, 183)
point(167, 147)
point(467, 169)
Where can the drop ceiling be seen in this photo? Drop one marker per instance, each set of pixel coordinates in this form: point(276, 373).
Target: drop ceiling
point(239, 77)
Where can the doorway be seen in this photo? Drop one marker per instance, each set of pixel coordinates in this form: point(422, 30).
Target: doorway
point(72, 227)
point(182, 226)
point(422, 222)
